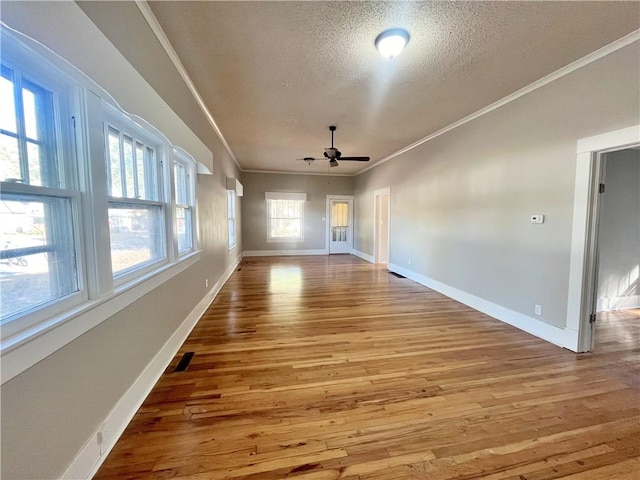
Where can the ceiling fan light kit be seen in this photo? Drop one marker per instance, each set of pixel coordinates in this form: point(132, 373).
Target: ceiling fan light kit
point(391, 42)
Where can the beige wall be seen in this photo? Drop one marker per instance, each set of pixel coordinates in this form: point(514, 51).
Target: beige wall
point(317, 187)
point(461, 203)
point(619, 233)
point(53, 408)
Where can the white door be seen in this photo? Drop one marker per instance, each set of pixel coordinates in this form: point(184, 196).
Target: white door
point(340, 225)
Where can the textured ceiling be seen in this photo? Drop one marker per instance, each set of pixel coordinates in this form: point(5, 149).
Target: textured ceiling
point(275, 75)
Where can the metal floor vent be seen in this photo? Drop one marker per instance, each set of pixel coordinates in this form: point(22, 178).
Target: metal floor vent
point(184, 362)
point(397, 275)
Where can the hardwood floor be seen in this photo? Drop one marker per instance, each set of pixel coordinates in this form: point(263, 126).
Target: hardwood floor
point(318, 368)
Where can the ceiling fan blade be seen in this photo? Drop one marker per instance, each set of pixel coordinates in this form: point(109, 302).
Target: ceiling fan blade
point(356, 159)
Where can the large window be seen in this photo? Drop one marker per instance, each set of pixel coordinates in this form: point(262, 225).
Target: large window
point(136, 212)
point(38, 198)
point(231, 217)
point(285, 216)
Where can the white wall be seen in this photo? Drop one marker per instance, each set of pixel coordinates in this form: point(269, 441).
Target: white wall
point(461, 202)
point(53, 410)
point(619, 233)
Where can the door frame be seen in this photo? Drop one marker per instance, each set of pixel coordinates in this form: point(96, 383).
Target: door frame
point(350, 231)
point(583, 266)
point(379, 193)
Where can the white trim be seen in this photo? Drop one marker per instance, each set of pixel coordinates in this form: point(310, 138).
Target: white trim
point(92, 455)
point(362, 255)
point(283, 253)
point(151, 19)
point(580, 298)
point(557, 336)
point(26, 348)
point(616, 139)
point(586, 60)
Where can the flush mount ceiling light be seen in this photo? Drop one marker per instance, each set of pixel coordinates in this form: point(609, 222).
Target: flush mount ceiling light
point(391, 42)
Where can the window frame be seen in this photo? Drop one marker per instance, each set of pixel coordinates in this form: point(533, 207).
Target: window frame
point(289, 196)
point(65, 98)
point(114, 119)
point(231, 219)
point(183, 158)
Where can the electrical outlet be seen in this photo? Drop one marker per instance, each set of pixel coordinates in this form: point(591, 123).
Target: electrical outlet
point(537, 218)
point(538, 309)
point(206, 283)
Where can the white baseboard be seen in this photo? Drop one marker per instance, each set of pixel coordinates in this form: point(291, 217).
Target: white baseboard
point(364, 256)
point(609, 304)
point(562, 337)
point(93, 454)
point(276, 253)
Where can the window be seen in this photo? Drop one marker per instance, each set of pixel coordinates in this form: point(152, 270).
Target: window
point(231, 217)
point(38, 260)
point(92, 204)
point(285, 216)
point(136, 214)
point(184, 182)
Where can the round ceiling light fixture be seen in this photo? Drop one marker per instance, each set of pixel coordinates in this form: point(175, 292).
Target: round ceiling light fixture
point(391, 42)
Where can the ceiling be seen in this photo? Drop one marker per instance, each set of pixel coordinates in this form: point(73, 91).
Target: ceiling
point(275, 75)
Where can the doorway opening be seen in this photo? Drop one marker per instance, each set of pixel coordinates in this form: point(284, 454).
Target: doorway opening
point(340, 223)
point(616, 313)
point(381, 222)
point(599, 227)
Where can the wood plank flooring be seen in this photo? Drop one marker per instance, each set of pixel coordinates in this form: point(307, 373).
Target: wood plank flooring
point(322, 368)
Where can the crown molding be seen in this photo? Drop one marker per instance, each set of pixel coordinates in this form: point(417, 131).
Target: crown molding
point(153, 23)
point(566, 70)
point(275, 172)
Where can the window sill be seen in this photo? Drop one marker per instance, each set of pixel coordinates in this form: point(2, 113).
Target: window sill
point(27, 347)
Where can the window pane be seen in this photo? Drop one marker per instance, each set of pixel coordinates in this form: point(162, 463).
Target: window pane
point(9, 159)
point(183, 216)
point(232, 232)
point(136, 236)
point(114, 163)
point(285, 221)
point(180, 184)
point(127, 150)
point(33, 153)
point(151, 172)
point(37, 261)
point(140, 169)
point(231, 204)
point(30, 116)
point(7, 102)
